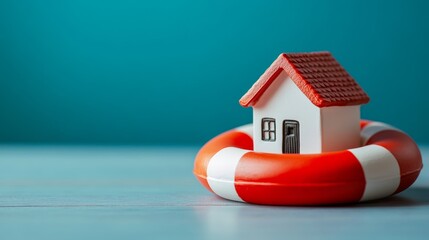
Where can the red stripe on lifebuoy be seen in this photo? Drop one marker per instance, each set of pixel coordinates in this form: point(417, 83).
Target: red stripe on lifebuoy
point(405, 151)
point(363, 123)
point(231, 138)
point(299, 179)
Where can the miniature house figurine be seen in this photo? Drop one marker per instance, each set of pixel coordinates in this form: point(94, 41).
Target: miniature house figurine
point(305, 103)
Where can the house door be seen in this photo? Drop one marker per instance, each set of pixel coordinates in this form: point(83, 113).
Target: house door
point(290, 136)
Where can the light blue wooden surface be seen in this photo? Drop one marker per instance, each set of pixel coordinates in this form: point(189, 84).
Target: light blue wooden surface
point(52, 192)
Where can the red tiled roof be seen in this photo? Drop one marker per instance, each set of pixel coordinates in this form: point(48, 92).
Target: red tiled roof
point(319, 76)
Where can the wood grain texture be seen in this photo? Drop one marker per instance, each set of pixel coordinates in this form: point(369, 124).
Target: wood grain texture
point(56, 192)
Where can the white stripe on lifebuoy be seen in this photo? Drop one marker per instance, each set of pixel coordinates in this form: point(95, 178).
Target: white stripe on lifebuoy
point(381, 170)
point(247, 129)
point(221, 172)
point(372, 128)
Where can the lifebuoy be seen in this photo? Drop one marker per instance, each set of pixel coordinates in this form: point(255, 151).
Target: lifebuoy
point(388, 162)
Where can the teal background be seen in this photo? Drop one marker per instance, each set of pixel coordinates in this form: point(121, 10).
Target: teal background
point(171, 72)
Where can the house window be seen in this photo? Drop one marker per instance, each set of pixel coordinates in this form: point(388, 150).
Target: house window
point(268, 129)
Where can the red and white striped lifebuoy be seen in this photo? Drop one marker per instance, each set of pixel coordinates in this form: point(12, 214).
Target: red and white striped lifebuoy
point(388, 162)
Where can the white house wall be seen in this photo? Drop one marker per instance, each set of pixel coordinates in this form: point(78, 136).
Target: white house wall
point(340, 128)
point(283, 100)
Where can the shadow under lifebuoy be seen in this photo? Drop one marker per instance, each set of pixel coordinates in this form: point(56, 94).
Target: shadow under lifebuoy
point(415, 196)
point(231, 220)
